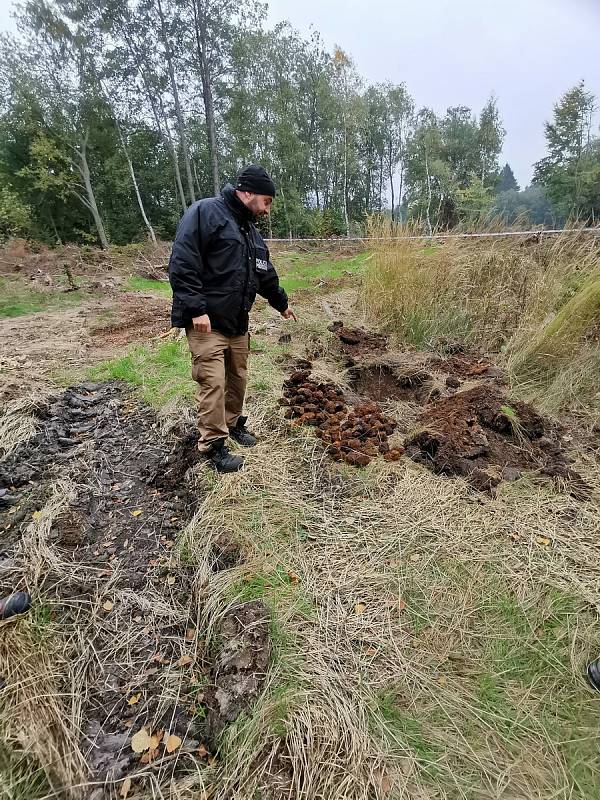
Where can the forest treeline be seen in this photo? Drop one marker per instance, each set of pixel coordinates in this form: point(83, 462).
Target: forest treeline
point(116, 115)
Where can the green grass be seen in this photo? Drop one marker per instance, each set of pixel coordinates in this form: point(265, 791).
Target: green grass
point(306, 272)
point(137, 284)
point(162, 373)
point(405, 732)
point(17, 298)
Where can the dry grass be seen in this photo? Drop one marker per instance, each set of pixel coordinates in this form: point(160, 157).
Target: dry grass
point(20, 420)
point(428, 641)
point(535, 300)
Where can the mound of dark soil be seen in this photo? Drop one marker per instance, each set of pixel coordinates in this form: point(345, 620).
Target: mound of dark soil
point(354, 435)
point(486, 438)
point(356, 342)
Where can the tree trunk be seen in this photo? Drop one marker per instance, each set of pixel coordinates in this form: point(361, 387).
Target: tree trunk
point(346, 178)
point(380, 181)
point(391, 176)
point(178, 113)
point(91, 199)
point(174, 157)
point(209, 109)
point(428, 219)
point(135, 183)
point(154, 101)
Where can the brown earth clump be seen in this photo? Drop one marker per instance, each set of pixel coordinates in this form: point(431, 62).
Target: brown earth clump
point(485, 437)
point(356, 342)
point(355, 435)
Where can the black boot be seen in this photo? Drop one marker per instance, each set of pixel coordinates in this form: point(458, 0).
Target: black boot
point(221, 458)
point(241, 434)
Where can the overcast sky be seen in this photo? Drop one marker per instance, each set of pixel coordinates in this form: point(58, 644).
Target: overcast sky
point(458, 52)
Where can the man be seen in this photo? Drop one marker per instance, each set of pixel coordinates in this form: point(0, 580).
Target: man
point(218, 264)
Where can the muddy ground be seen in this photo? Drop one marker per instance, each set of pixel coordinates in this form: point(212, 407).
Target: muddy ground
point(132, 490)
point(467, 424)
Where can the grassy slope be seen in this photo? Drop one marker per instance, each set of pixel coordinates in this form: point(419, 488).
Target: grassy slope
point(428, 642)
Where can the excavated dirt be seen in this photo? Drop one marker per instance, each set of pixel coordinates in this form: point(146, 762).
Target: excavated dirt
point(137, 316)
point(355, 434)
point(469, 366)
point(357, 342)
point(381, 382)
point(132, 492)
point(486, 438)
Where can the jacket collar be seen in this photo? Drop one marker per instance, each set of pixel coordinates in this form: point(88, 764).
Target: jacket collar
point(241, 213)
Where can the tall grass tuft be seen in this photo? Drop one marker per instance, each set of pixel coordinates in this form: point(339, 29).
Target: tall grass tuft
point(534, 299)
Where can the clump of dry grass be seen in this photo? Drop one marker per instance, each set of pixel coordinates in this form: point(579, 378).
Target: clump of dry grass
point(20, 419)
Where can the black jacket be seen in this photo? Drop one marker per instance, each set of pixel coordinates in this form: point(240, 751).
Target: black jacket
point(218, 264)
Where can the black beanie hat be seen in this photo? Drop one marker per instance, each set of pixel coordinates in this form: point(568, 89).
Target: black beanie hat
point(255, 179)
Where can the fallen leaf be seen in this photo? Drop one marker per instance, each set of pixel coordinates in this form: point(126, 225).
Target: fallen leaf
point(135, 698)
point(36, 515)
point(543, 540)
point(184, 661)
point(127, 723)
point(190, 634)
point(125, 788)
point(137, 618)
point(442, 680)
point(149, 756)
point(294, 579)
point(170, 580)
point(202, 751)
point(155, 740)
point(212, 760)
point(415, 557)
point(401, 604)
point(140, 741)
point(172, 743)
point(107, 605)
point(359, 608)
point(136, 513)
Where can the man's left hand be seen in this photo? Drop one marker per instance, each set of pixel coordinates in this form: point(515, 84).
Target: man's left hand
point(289, 314)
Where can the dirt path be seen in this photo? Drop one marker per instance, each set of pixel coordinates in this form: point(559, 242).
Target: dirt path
point(36, 347)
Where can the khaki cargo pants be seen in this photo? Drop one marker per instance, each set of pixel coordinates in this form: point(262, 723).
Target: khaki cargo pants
point(220, 368)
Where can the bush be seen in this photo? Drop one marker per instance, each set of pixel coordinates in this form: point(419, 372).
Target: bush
point(15, 216)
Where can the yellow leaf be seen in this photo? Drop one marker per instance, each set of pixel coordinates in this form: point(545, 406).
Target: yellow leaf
point(172, 743)
point(125, 788)
point(140, 741)
point(135, 698)
point(36, 515)
point(107, 605)
point(543, 540)
point(136, 513)
point(170, 580)
point(359, 608)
